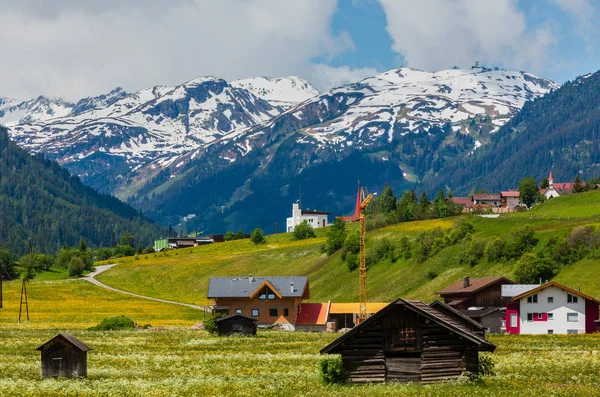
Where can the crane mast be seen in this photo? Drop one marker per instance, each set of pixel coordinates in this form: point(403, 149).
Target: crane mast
point(362, 270)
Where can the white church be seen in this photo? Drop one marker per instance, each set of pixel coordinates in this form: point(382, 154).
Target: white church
point(314, 218)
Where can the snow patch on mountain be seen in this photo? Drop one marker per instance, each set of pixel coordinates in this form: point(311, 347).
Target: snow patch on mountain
point(283, 91)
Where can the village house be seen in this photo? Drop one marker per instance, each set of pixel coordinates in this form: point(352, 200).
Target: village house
point(314, 218)
point(475, 292)
point(511, 199)
point(487, 200)
point(409, 341)
point(270, 300)
point(550, 308)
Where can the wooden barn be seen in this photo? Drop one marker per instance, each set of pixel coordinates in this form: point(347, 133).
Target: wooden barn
point(409, 341)
point(64, 355)
point(236, 324)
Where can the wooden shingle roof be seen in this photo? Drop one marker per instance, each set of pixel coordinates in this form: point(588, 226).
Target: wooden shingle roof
point(69, 338)
point(421, 309)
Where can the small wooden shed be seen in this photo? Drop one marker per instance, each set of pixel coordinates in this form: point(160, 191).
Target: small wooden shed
point(409, 341)
point(64, 355)
point(236, 324)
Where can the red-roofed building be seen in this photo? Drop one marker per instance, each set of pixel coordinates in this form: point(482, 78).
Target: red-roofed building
point(313, 317)
point(511, 199)
point(356, 216)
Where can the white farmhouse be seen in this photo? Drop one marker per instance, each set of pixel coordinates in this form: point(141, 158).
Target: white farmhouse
point(314, 218)
point(550, 308)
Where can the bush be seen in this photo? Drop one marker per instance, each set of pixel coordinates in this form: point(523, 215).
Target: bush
point(336, 237)
point(472, 251)
point(76, 266)
point(352, 261)
point(405, 247)
point(332, 371)
point(431, 275)
point(485, 367)
point(257, 236)
point(104, 253)
point(210, 325)
point(7, 266)
point(383, 250)
point(494, 250)
point(529, 269)
point(114, 324)
point(303, 231)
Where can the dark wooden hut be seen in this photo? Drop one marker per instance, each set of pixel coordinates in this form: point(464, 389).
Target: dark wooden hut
point(64, 355)
point(409, 341)
point(236, 324)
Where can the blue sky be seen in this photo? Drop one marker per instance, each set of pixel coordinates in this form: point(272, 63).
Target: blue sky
point(87, 47)
point(575, 48)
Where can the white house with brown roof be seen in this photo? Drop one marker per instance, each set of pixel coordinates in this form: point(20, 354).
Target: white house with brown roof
point(314, 218)
point(551, 308)
point(511, 199)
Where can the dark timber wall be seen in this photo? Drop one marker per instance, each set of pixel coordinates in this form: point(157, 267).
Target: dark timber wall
point(404, 346)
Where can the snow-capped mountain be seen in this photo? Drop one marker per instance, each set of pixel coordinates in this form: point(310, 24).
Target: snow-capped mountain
point(153, 126)
point(284, 91)
point(475, 102)
point(34, 110)
point(227, 151)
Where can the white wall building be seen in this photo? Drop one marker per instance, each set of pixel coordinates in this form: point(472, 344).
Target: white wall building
point(552, 308)
point(314, 218)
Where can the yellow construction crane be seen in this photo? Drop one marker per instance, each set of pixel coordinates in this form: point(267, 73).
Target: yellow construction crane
point(362, 270)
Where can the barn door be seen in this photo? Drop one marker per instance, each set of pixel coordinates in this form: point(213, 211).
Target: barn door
point(57, 366)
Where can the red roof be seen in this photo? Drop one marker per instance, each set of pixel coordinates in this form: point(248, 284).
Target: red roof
point(462, 200)
point(563, 185)
point(312, 314)
point(511, 193)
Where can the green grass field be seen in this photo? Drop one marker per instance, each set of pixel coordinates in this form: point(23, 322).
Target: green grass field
point(276, 363)
point(183, 275)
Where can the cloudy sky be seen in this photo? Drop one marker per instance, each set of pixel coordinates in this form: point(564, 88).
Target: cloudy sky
point(76, 48)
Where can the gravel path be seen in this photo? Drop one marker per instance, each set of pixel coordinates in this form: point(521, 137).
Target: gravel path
point(91, 277)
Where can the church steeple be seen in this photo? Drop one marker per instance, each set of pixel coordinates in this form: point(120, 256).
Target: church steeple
point(550, 180)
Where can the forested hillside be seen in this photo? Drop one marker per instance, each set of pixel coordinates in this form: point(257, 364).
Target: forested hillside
point(559, 131)
point(41, 201)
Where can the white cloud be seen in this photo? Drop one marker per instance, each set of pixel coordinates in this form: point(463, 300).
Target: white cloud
point(437, 34)
point(325, 76)
point(76, 48)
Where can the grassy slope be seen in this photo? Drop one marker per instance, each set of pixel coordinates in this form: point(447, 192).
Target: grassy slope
point(80, 304)
point(183, 275)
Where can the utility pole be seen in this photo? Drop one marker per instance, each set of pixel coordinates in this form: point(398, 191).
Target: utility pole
point(24, 300)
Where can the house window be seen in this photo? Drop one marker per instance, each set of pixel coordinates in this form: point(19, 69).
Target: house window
point(571, 298)
point(539, 316)
point(572, 317)
point(550, 299)
point(529, 316)
point(572, 332)
point(513, 320)
point(273, 313)
point(550, 316)
point(532, 298)
point(550, 331)
point(266, 294)
point(238, 311)
point(254, 312)
point(286, 312)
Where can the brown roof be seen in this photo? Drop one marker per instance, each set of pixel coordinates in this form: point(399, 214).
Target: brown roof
point(475, 284)
point(423, 310)
point(308, 212)
point(511, 193)
point(71, 339)
point(486, 196)
point(555, 284)
point(462, 200)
